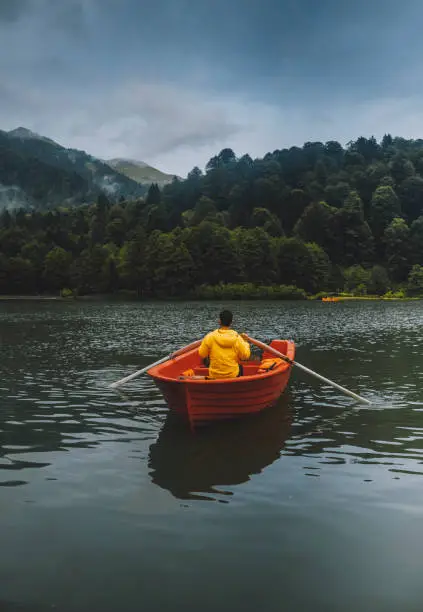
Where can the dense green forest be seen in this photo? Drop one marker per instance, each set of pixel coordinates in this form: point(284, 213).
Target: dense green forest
point(321, 218)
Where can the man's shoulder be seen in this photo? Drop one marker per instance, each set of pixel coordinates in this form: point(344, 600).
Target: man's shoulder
point(210, 335)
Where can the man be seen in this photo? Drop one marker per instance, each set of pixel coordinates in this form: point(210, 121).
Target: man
point(225, 348)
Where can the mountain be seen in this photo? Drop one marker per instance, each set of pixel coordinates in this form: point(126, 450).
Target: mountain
point(25, 134)
point(140, 171)
point(26, 181)
point(44, 173)
point(100, 176)
point(38, 172)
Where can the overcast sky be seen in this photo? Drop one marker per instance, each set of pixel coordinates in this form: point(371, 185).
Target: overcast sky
point(172, 82)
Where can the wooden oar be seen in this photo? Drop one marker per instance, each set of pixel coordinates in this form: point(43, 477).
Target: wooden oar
point(189, 347)
point(265, 347)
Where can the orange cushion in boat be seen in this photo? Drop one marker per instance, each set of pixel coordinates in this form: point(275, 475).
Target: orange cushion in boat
point(269, 364)
point(188, 373)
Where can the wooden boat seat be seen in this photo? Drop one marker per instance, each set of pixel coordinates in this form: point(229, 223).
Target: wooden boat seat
point(249, 369)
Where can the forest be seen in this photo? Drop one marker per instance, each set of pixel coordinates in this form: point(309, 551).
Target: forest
point(302, 221)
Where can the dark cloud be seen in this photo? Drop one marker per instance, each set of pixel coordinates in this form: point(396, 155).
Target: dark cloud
point(172, 80)
point(64, 15)
point(69, 16)
point(11, 10)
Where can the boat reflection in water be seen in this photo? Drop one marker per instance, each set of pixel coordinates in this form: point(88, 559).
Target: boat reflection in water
point(196, 465)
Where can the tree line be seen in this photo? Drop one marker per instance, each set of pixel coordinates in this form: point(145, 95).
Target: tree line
point(320, 218)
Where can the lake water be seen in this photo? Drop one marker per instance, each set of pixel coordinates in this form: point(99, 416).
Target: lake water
point(107, 504)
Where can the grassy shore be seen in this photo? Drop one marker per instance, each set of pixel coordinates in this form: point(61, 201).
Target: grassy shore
point(231, 296)
point(367, 298)
point(378, 298)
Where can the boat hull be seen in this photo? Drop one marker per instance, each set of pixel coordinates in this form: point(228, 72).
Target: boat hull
point(205, 401)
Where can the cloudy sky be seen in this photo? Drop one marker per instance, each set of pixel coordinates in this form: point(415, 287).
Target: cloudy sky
point(172, 82)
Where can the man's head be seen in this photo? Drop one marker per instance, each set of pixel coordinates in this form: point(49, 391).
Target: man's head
point(225, 318)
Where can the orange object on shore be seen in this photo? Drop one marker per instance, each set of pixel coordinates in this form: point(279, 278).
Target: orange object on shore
point(201, 400)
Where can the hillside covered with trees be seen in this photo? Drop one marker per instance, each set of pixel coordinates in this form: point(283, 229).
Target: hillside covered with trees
point(320, 218)
point(41, 174)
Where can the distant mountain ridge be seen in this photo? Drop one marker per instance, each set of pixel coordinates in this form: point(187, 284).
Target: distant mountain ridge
point(40, 173)
point(118, 160)
point(27, 181)
point(140, 171)
point(25, 134)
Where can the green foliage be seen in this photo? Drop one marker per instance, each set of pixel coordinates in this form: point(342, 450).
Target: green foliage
point(262, 217)
point(357, 280)
point(395, 295)
point(379, 281)
point(415, 281)
point(131, 263)
point(154, 195)
point(336, 193)
point(169, 264)
point(397, 249)
point(214, 254)
point(354, 237)
point(141, 173)
point(317, 224)
point(411, 194)
point(296, 201)
point(57, 267)
point(21, 275)
point(67, 293)
point(416, 241)
point(204, 209)
point(384, 208)
point(91, 272)
point(117, 227)
point(304, 265)
point(249, 291)
point(401, 168)
point(317, 218)
point(257, 254)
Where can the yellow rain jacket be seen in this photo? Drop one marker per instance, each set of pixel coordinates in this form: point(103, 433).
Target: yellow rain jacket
point(226, 348)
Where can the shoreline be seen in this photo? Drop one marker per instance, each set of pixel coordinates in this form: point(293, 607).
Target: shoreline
point(43, 298)
point(377, 298)
point(120, 297)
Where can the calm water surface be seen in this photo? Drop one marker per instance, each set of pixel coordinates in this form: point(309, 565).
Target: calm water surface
point(107, 504)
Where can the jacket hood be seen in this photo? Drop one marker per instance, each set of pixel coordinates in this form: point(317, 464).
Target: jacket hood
point(225, 338)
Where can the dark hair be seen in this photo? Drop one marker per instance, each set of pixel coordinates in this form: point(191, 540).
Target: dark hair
point(226, 317)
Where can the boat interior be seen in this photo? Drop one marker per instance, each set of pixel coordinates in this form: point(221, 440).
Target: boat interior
point(189, 365)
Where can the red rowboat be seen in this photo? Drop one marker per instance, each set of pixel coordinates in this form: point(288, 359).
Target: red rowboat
point(201, 400)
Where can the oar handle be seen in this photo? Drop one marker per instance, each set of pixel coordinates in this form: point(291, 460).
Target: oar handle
point(122, 381)
point(180, 351)
point(265, 347)
point(184, 349)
